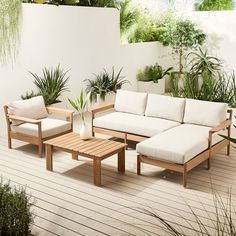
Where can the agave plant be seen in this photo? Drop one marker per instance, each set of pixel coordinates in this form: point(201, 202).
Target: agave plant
point(203, 64)
point(105, 83)
point(51, 84)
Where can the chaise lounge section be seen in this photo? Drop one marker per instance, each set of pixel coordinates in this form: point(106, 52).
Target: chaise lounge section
point(174, 133)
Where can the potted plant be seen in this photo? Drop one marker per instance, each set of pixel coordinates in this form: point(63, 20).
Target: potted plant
point(16, 217)
point(50, 85)
point(103, 85)
point(152, 79)
point(79, 104)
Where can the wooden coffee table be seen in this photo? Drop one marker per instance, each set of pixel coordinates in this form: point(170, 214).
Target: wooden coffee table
point(95, 148)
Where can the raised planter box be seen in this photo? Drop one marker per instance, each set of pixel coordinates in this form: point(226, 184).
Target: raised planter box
point(151, 87)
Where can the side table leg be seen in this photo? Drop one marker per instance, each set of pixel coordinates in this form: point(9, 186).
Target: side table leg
point(97, 171)
point(121, 160)
point(49, 160)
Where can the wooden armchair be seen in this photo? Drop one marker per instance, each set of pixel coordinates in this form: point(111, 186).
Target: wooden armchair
point(36, 131)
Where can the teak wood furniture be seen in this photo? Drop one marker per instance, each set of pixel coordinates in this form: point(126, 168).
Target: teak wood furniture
point(173, 133)
point(36, 140)
point(94, 148)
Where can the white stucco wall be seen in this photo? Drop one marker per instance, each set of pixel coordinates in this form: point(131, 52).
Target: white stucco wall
point(86, 40)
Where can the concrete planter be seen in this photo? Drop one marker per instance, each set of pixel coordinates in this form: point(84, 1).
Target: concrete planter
point(151, 87)
point(110, 98)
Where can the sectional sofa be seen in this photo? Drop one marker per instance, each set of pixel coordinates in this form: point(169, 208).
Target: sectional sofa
point(173, 133)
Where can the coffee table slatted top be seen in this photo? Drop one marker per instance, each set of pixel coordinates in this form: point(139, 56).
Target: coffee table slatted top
point(93, 147)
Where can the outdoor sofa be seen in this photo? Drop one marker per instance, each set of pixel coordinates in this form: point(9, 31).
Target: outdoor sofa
point(173, 133)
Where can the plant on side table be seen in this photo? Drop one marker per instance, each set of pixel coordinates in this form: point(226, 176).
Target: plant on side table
point(16, 217)
point(151, 79)
point(104, 83)
point(79, 104)
point(50, 85)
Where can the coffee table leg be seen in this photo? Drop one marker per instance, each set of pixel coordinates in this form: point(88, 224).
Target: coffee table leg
point(75, 156)
point(49, 160)
point(121, 160)
point(97, 171)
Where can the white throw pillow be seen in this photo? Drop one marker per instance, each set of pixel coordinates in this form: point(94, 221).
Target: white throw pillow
point(33, 108)
point(205, 113)
point(131, 102)
point(165, 107)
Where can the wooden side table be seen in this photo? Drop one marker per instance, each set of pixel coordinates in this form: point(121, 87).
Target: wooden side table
point(95, 148)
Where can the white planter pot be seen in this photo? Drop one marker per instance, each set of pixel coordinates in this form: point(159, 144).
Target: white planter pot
point(84, 132)
point(110, 98)
point(151, 87)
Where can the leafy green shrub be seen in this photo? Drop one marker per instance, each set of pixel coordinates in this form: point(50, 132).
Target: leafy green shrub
point(153, 73)
point(16, 217)
point(105, 83)
point(215, 5)
point(182, 35)
point(146, 30)
point(128, 15)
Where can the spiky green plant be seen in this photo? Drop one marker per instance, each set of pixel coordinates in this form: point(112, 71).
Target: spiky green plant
point(16, 217)
point(105, 83)
point(51, 84)
point(204, 64)
point(10, 18)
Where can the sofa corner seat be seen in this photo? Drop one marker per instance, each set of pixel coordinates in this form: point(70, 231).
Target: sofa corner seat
point(176, 133)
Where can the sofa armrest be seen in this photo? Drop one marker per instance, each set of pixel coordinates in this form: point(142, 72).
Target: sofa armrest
point(61, 111)
point(24, 119)
point(102, 108)
point(221, 126)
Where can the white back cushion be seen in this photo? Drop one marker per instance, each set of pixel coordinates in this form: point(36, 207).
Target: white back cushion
point(205, 113)
point(165, 107)
point(131, 102)
point(30, 108)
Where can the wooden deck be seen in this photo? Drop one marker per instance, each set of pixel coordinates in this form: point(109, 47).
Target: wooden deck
point(67, 203)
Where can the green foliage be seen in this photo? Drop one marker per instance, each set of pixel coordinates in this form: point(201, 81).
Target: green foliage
point(147, 30)
point(10, 17)
point(153, 73)
point(50, 85)
point(203, 64)
point(221, 89)
point(221, 223)
point(105, 83)
point(80, 103)
point(182, 36)
point(16, 217)
point(98, 3)
point(215, 5)
point(128, 16)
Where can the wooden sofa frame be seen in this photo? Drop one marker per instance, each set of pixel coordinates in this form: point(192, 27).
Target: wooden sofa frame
point(36, 140)
point(182, 168)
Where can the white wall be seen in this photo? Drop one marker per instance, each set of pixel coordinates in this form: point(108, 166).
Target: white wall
point(84, 40)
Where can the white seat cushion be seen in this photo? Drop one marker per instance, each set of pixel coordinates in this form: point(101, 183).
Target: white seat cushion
point(130, 102)
point(50, 127)
point(177, 145)
point(205, 113)
point(165, 107)
point(33, 108)
point(134, 124)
